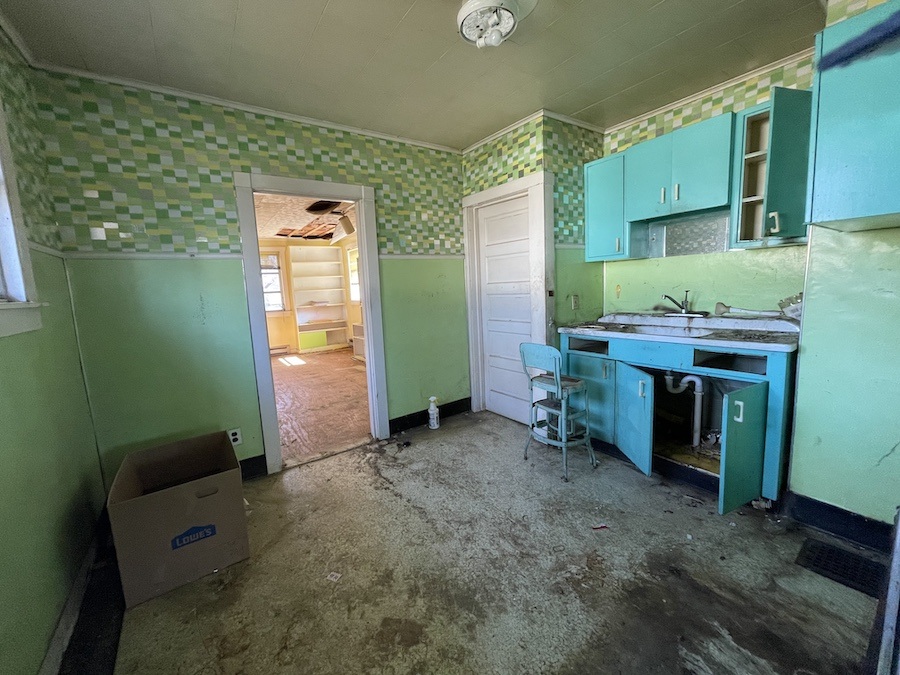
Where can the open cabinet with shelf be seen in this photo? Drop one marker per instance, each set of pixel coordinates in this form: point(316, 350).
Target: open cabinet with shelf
point(317, 276)
point(772, 144)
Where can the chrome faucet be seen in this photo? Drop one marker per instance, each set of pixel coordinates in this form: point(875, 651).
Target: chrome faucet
point(682, 306)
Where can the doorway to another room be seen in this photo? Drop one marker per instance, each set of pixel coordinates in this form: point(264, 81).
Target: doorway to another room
point(312, 295)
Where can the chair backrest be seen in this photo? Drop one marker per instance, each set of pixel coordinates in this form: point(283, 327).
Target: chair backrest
point(544, 358)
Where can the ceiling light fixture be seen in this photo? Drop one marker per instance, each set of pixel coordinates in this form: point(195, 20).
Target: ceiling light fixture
point(487, 23)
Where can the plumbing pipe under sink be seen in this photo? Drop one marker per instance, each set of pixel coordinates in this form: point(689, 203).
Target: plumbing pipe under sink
point(698, 399)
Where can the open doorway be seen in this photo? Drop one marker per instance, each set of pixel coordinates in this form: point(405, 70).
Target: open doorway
point(309, 267)
point(311, 270)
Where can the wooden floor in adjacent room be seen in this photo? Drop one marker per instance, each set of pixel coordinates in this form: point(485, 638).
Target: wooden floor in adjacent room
point(322, 404)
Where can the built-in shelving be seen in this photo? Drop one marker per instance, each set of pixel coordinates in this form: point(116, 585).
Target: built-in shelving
point(317, 275)
point(756, 157)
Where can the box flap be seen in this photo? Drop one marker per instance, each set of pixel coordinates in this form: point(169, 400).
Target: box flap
point(165, 466)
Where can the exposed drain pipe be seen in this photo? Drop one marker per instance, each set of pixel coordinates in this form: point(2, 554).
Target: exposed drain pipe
point(698, 399)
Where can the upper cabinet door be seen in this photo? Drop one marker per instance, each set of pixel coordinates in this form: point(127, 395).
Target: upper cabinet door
point(604, 209)
point(743, 446)
point(857, 131)
point(648, 179)
point(785, 198)
point(701, 165)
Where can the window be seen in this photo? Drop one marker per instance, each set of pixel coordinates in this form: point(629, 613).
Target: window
point(19, 311)
point(273, 295)
point(353, 268)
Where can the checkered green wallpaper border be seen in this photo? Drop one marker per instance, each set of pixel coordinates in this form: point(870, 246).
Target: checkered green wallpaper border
point(136, 171)
point(27, 145)
point(567, 148)
point(838, 10)
point(796, 74)
point(541, 143)
point(515, 154)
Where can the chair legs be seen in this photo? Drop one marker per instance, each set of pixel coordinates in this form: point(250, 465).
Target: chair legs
point(559, 428)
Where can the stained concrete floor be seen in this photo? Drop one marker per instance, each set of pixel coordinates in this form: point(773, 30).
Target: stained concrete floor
point(456, 556)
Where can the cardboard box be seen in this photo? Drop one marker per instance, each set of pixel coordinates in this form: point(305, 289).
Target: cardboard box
point(177, 514)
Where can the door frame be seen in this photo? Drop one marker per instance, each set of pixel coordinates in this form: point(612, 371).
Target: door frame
point(539, 189)
point(364, 197)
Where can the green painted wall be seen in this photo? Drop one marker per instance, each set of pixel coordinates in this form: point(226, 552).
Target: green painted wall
point(166, 349)
point(49, 474)
point(754, 279)
point(846, 448)
point(575, 276)
point(424, 310)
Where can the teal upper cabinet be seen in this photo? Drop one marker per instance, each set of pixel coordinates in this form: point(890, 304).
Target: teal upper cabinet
point(686, 170)
point(701, 165)
point(857, 130)
point(604, 209)
point(770, 167)
point(648, 178)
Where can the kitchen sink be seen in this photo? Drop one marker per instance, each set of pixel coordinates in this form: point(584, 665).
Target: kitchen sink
point(673, 331)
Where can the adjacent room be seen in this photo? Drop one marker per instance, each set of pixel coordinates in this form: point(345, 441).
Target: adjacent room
point(450, 336)
point(309, 263)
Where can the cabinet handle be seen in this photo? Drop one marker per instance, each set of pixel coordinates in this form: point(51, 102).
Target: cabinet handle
point(677, 195)
point(662, 195)
point(603, 371)
point(740, 416)
point(641, 388)
point(776, 228)
point(618, 244)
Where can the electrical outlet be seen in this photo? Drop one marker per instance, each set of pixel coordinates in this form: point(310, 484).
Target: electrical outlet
point(235, 436)
point(576, 303)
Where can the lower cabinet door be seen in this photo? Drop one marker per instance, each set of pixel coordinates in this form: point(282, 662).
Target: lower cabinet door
point(599, 375)
point(634, 415)
point(743, 446)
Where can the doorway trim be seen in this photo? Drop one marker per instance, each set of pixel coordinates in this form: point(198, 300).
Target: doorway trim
point(539, 189)
point(364, 197)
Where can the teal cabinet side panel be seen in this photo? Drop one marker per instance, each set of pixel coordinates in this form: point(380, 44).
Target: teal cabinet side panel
point(634, 415)
point(648, 177)
point(604, 182)
point(701, 164)
point(788, 162)
point(743, 446)
point(599, 375)
point(858, 127)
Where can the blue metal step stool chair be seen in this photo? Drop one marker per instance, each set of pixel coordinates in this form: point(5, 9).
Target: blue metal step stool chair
point(565, 426)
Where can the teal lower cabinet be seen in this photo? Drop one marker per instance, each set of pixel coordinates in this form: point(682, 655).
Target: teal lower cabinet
point(634, 415)
point(599, 375)
point(745, 407)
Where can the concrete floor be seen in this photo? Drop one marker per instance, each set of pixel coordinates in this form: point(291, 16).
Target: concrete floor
point(458, 557)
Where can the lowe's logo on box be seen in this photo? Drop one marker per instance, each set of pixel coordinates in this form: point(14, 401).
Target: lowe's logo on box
point(193, 535)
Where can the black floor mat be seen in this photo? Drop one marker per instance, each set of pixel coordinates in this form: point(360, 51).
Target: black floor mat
point(845, 567)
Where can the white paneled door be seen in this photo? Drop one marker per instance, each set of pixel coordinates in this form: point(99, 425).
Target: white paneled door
point(506, 312)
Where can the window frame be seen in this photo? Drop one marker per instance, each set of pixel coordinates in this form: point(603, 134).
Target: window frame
point(19, 307)
point(282, 286)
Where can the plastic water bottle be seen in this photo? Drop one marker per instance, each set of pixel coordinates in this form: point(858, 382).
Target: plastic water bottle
point(434, 415)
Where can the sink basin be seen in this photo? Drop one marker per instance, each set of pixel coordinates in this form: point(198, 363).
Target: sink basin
point(672, 331)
